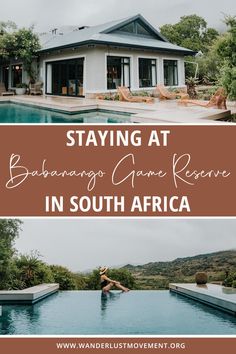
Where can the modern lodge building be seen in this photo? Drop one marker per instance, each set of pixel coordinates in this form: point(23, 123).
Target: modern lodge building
point(87, 61)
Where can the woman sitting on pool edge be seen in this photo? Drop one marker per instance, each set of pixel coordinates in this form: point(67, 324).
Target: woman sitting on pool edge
point(107, 283)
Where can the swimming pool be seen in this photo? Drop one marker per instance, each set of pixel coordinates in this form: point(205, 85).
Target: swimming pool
point(133, 313)
point(16, 113)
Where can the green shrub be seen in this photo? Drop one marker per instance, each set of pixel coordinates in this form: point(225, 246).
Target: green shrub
point(65, 278)
point(31, 270)
point(201, 278)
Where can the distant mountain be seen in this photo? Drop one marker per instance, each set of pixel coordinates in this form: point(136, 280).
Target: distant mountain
point(158, 275)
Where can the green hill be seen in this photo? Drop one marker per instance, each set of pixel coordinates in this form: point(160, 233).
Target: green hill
point(158, 275)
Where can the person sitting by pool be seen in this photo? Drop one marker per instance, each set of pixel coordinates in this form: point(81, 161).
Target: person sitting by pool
point(107, 283)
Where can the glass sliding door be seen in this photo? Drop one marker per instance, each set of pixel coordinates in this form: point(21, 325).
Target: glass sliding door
point(71, 79)
point(80, 80)
point(63, 70)
point(118, 72)
point(65, 77)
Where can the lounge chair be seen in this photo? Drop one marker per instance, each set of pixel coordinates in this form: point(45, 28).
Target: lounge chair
point(165, 94)
point(126, 95)
point(36, 89)
point(218, 100)
point(3, 91)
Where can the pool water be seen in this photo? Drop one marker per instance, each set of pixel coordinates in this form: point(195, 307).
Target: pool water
point(16, 113)
point(133, 313)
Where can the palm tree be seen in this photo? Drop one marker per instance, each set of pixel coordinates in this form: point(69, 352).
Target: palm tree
point(28, 265)
point(191, 86)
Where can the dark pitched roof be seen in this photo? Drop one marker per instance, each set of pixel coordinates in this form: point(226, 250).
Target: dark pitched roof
point(110, 34)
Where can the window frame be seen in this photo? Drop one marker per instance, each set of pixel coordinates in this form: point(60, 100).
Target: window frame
point(176, 65)
point(151, 66)
point(149, 33)
point(123, 65)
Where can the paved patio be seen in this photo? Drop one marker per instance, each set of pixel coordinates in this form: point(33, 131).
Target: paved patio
point(159, 112)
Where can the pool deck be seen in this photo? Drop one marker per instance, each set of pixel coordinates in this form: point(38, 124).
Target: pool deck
point(29, 295)
point(210, 294)
point(158, 112)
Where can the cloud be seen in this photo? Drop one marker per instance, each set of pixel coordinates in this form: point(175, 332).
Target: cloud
point(85, 244)
point(48, 14)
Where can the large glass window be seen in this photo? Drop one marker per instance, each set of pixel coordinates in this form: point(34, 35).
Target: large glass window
point(137, 28)
point(16, 71)
point(170, 72)
point(65, 77)
point(118, 72)
point(147, 72)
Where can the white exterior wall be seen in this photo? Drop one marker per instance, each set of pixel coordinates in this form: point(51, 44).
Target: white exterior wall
point(95, 66)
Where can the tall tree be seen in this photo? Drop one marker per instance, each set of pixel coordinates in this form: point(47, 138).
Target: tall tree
point(9, 231)
point(20, 43)
point(227, 52)
point(191, 32)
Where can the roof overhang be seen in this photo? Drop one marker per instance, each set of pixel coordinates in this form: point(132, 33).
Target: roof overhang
point(117, 44)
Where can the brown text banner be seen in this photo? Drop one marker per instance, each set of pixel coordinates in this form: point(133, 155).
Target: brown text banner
point(115, 345)
point(138, 170)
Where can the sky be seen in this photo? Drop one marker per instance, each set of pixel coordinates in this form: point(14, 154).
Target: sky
point(84, 244)
point(46, 14)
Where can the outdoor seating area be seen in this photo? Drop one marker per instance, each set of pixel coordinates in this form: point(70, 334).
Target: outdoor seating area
point(217, 100)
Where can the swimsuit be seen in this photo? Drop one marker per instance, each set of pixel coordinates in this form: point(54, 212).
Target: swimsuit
point(104, 283)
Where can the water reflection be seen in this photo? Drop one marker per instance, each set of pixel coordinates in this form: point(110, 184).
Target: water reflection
point(107, 299)
point(207, 309)
point(11, 315)
point(27, 315)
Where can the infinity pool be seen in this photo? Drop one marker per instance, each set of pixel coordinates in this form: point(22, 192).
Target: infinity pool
point(136, 312)
point(16, 113)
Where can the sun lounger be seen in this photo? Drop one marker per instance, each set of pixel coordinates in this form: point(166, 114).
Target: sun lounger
point(165, 94)
point(3, 91)
point(218, 100)
point(126, 95)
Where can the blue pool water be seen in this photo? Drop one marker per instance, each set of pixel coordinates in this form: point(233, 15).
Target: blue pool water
point(133, 313)
point(16, 113)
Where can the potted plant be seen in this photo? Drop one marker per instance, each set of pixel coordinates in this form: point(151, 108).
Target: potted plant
point(21, 89)
point(201, 278)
